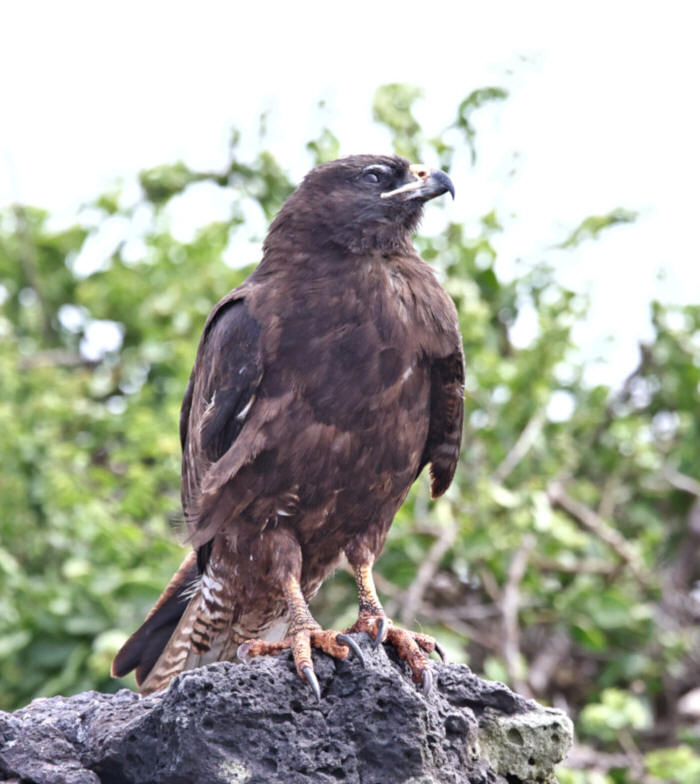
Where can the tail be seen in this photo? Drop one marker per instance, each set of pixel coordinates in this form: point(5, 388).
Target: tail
point(190, 625)
point(146, 645)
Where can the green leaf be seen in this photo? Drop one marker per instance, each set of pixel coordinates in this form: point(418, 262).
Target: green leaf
point(591, 227)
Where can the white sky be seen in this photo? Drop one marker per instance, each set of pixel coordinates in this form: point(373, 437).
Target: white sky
point(603, 113)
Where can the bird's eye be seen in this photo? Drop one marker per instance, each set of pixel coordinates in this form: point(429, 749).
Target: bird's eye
point(376, 172)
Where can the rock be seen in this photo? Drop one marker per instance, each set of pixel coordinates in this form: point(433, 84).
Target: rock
point(260, 724)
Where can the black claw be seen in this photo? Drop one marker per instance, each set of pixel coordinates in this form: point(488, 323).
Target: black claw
point(343, 639)
point(381, 631)
point(427, 680)
point(440, 652)
point(312, 680)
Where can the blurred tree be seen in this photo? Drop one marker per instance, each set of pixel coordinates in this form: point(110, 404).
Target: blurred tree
point(564, 559)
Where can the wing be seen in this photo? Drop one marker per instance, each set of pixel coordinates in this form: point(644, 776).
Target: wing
point(446, 418)
point(218, 399)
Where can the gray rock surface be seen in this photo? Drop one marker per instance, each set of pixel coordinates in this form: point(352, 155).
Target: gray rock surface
point(260, 724)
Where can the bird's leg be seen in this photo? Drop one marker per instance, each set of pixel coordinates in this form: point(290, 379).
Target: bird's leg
point(372, 620)
point(304, 634)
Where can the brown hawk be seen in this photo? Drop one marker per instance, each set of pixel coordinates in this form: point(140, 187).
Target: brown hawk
point(321, 388)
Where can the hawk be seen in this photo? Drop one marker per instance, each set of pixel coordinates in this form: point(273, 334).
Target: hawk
point(321, 388)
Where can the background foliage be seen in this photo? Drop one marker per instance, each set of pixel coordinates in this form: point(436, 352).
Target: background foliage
point(564, 559)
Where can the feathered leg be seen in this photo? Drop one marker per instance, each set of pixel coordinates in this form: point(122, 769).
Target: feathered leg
point(373, 620)
point(304, 634)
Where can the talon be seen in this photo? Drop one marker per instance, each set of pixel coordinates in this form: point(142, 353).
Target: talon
point(381, 631)
point(243, 651)
point(413, 648)
point(427, 681)
point(343, 639)
point(312, 680)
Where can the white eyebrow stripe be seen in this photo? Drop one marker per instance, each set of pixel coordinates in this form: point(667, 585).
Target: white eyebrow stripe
point(383, 167)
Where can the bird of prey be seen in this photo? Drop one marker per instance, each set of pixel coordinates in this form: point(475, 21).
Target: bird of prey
point(321, 388)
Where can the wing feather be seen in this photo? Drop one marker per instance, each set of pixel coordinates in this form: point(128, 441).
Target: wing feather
point(446, 419)
point(218, 403)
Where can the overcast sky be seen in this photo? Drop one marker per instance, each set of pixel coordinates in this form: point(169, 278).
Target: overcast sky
point(602, 114)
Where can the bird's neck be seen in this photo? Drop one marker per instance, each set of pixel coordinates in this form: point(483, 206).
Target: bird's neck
point(316, 232)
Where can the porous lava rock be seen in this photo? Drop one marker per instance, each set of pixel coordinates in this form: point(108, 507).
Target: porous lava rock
point(259, 723)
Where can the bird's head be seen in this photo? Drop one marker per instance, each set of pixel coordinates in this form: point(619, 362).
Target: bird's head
point(360, 203)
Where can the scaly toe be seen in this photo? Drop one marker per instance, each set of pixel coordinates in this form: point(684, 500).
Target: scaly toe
point(301, 642)
point(251, 648)
point(411, 647)
point(328, 642)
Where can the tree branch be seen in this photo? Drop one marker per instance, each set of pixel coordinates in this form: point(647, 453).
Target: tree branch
point(414, 595)
point(593, 522)
point(452, 619)
point(28, 262)
point(681, 481)
point(510, 604)
point(521, 447)
point(546, 662)
point(580, 567)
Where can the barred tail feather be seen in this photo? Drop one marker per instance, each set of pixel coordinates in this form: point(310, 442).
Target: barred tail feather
point(192, 624)
point(203, 633)
point(142, 649)
point(178, 653)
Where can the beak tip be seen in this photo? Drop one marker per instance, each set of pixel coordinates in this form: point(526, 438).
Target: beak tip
point(444, 182)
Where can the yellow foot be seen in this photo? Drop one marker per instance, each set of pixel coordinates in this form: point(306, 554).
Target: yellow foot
point(301, 642)
point(409, 645)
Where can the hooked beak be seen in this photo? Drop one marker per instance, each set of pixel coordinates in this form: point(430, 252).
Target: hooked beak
point(427, 184)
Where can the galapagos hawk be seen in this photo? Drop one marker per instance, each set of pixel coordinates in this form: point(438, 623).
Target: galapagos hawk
point(321, 388)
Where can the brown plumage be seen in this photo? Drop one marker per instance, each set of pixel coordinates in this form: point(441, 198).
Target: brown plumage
point(321, 388)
